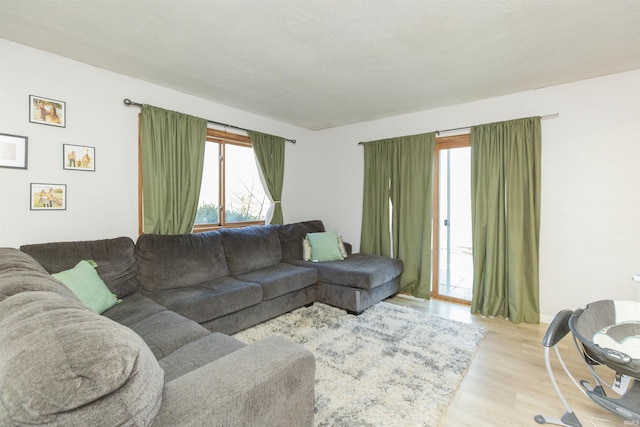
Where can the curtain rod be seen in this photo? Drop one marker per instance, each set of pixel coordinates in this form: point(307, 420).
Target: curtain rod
point(127, 101)
point(547, 116)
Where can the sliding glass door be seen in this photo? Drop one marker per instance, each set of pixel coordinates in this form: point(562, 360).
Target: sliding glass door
point(452, 255)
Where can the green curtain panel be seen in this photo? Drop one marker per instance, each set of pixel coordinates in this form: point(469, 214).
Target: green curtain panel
point(505, 197)
point(400, 170)
point(376, 232)
point(172, 150)
point(269, 151)
point(411, 198)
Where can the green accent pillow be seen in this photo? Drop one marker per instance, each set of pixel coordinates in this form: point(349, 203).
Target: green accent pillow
point(86, 284)
point(324, 246)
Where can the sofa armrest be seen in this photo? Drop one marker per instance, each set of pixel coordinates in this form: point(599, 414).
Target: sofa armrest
point(270, 382)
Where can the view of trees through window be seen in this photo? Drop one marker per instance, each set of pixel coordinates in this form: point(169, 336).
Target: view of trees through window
point(231, 179)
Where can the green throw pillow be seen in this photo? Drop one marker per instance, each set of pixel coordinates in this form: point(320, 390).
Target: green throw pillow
point(84, 282)
point(324, 246)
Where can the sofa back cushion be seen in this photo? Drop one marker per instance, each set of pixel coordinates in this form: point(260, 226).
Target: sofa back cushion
point(292, 235)
point(62, 364)
point(251, 248)
point(21, 273)
point(181, 260)
point(115, 258)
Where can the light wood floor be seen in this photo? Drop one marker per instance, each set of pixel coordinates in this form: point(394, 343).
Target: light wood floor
point(507, 383)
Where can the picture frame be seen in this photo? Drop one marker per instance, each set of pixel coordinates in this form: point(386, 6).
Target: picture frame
point(48, 197)
point(47, 111)
point(78, 157)
point(13, 151)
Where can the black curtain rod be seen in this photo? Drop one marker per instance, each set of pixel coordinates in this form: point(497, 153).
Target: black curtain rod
point(438, 132)
point(127, 101)
point(546, 116)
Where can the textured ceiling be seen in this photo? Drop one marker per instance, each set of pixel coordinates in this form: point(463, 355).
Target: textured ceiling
point(324, 63)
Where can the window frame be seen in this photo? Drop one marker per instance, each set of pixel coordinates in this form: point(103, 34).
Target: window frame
point(223, 138)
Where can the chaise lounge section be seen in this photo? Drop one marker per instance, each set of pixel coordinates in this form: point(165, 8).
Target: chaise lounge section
point(355, 283)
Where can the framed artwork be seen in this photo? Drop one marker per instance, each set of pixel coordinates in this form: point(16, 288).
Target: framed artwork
point(48, 197)
point(13, 151)
point(78, 157)
point(47, 111)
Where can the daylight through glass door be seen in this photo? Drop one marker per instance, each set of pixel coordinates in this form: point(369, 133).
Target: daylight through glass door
point(453, 257)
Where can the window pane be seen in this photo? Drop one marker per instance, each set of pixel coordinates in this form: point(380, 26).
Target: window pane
point(244, 196)
point(209, 203)
point(455, 259)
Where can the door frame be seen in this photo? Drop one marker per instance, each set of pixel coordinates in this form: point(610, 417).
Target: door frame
point(442, 143)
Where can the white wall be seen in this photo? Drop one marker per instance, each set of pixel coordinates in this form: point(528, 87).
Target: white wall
point(590, 214)
point(590, 176)
point(103, 203)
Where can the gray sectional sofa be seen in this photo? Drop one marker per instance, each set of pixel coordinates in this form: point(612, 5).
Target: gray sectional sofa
point(163, 355)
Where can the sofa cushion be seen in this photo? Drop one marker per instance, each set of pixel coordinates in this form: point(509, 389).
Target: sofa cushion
point(63, 364)
point(281, 279)
point(133, 309)
point(210, 300)
point(21, 273)
point(178, 261)
point(84, 282)
point(115, 258)
point(292, 235)
point(251, 248)
point(163, 330)
point(166, 331)
point(197, 354)
point(364, 271)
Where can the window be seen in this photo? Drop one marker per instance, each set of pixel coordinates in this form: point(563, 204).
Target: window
point(231, 193)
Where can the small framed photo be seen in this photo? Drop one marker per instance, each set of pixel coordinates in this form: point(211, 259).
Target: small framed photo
point(47, 111)
point(13, 151)
point(78, 157)
point(48, 197)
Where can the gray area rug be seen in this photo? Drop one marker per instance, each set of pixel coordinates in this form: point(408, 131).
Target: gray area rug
point(390, 366)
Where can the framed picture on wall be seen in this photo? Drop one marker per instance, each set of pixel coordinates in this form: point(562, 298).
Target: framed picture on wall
point(13, 151)
point(47, 111)
point(48, 197)
point(78, 157)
